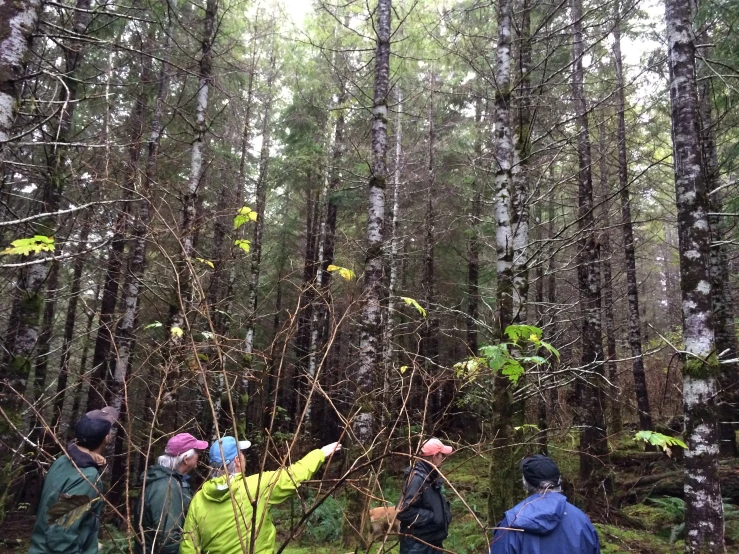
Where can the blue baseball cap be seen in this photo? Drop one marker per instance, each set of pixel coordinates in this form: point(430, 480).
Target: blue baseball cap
point(230, 450)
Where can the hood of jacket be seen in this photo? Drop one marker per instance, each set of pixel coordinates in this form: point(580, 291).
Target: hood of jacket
point(216, 490)
point(82, 457)
point(424, 469)
point(156, 472)
point(539, 513)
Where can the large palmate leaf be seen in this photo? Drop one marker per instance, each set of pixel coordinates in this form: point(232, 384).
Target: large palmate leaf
point(36, 244)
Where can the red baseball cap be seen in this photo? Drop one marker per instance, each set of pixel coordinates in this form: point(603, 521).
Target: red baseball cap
point(435, 446)
point(183, 442)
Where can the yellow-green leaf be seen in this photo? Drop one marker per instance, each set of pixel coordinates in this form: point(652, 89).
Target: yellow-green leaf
point(244, 215)
point(176, 332)
point(403, 368)
point(206, 262)
point(347, 274)
point(412, 302)
point(244, 244)
point(23, 247)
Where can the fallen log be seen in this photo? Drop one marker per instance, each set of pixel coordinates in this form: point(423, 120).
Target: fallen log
point(671, 483)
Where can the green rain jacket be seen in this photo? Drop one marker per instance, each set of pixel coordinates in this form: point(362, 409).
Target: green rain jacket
point(166, 499)
point(75, 474)
point(217, 525)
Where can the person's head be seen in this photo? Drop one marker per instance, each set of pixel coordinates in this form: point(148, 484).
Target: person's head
point(181, 453)
point(226, 457)
point(540, 474)
point(92, 431)
point(435, 451)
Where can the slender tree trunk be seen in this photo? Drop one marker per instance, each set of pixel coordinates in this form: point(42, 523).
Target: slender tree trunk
point(503, 470)
point(520, 175)
point(615, 424)
point(430, 337)
point(365, 374)
point(69, 324)
point(589, 392)
point(704, 521)
point(80, 392)
point(182, 295)
point(473, 244)
point(635, 339)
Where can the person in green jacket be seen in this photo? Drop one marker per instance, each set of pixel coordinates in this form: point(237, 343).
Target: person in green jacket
point(166, 497)
point(76, 473)
point(221, 516)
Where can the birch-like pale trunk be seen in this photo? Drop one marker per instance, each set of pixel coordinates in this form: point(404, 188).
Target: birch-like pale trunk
point(520, 176)
point(721, 298)
point(503, 479)
point(704, 521)
point(392, 261)
point(615, 423)
point(17, 24)
point(588, 390)
point(365, 374)
point(632, 285)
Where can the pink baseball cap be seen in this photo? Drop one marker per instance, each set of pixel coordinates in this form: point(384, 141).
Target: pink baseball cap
point(183, 442)
point(435, 446)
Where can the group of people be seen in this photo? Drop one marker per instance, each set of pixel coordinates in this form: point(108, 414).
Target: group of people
point(230, 514)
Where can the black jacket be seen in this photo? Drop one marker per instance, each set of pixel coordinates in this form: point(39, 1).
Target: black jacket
point(424, 511)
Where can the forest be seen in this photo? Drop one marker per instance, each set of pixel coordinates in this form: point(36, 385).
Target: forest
point(210, 221)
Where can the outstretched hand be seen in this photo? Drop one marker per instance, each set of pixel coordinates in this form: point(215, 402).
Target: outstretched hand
point(332, 448)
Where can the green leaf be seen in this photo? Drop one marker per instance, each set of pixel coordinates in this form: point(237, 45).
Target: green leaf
point(538, 360)
point(244, 215)
point(244, 244)
point(24, 247)
point(412, 302)
point(153, 325)
point(513, 370)
point(176, 332)
point(403, 369)
point(658, 439)
point(347, 274)
point(206, 262)
point(68, 509)
point(526, 426)
point(549, 348)
point(527, 332)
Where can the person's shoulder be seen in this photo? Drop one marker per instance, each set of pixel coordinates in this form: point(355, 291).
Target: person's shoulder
point(577, 513)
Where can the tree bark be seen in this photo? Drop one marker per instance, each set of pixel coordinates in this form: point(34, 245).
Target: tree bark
point(704, 522)
point(503, 469)
point(365, 374)
point(473, 244)
point(588, 389)
point(635, 339)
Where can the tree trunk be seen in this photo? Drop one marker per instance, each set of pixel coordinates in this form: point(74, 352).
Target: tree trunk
point(615, 423)
point(721, 300)
point(704, 521)
point(503, 470)
point(19, 23)
point(635, 339)
point(69, 324)
point(473, 244)
point(365, 374)
point(519, 173)
point(589, 393)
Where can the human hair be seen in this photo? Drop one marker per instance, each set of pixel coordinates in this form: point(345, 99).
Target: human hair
point(230, 469)
point(543, 487)
point(173, 462)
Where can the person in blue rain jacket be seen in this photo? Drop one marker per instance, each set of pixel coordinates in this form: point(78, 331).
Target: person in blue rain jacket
point(544, 523)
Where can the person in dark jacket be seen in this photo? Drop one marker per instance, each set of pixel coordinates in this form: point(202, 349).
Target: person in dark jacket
point(424, 511)
point(76, 473)
point(166, 494)
point(545, 522)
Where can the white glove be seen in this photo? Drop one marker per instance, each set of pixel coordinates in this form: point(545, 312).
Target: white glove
point(332, 448)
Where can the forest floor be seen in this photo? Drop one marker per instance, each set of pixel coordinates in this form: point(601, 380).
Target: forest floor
point(638, 519)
